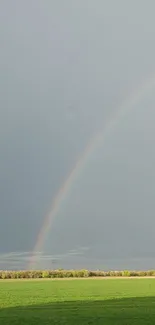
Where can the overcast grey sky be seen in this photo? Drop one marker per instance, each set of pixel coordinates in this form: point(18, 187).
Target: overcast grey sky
point(65, 68)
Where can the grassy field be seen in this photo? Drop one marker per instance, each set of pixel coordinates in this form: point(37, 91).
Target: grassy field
point(72, 302)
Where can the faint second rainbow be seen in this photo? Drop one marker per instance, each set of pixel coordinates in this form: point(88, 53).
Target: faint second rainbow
point(97, 140)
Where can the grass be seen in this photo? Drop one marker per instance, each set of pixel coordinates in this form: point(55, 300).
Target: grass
point(77, 302)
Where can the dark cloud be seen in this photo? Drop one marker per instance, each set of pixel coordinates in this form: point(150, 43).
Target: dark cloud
point(65, 69)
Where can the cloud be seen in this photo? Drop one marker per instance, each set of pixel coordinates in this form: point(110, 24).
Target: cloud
point(23, 258)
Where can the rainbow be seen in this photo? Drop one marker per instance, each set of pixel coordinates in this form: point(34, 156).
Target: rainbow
point(97, 140)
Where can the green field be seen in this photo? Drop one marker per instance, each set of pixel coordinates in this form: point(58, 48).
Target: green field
point(82, 301)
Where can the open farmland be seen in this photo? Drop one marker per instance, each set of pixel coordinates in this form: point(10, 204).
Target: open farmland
point(77, 301)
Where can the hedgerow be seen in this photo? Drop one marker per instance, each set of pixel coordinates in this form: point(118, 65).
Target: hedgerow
point(42, 274)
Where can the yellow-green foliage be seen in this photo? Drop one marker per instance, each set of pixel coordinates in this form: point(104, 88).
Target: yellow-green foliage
point(38, 274)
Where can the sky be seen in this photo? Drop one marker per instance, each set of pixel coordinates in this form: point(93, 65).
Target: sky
point(66, 68)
